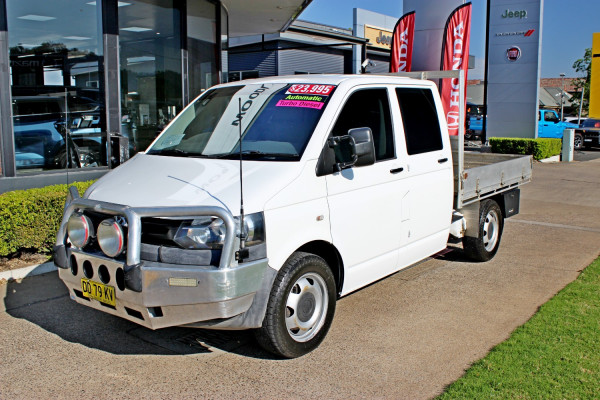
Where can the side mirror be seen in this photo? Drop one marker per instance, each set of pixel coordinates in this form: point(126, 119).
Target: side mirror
point(354, 149)
point(364, 146)
point(344, 149)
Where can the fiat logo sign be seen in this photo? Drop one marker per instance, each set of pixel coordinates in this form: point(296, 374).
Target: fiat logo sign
point(513, 54)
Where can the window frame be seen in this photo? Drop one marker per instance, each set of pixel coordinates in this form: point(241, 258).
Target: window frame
point(435, 107)
point(351, 93)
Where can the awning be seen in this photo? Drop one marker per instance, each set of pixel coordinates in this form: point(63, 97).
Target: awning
point(262, 16)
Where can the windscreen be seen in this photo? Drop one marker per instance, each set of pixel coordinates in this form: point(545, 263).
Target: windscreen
point(276, 121)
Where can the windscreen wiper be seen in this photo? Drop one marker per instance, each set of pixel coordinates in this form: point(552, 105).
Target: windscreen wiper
point(255, 154)
point(175, 153)
point(170, 152)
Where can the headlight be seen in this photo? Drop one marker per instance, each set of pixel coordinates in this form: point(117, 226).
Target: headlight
point(110, 237)
point(209, 232)
point(254, 225)
point(201, 233)
point(80, 229)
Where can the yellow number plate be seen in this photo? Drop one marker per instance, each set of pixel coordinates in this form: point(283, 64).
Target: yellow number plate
point(103, 293)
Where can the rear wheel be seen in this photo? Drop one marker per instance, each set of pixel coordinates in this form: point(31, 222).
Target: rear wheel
point(301, 307)
point(485, 245)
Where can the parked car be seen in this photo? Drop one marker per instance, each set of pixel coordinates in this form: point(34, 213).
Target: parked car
point(474, 121)
point(574, 120)
point(550, 125)
point(588, 134)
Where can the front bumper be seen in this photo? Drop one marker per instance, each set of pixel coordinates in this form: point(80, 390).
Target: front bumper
point(209, 293)
point(160, 294)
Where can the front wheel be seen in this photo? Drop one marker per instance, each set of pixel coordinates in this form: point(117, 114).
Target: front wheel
point(300, 308)
point(62, 161)
point(485, 245)
point(578, 141)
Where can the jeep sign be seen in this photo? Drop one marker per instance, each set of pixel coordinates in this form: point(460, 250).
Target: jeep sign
point(515, 14)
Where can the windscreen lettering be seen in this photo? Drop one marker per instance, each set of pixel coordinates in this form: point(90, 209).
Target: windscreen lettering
point(304, 98)
point(248, 103)
point(299, 103)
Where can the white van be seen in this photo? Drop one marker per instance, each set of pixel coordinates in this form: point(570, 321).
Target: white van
point(345, 180)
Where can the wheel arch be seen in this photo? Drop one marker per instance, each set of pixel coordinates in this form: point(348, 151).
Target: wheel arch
point(332, 257)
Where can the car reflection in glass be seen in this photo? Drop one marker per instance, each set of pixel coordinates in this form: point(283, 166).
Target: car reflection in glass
point(40, 132)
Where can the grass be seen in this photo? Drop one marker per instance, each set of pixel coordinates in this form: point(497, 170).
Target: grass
point(555, 355)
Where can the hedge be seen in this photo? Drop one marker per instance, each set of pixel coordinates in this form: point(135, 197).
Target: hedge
point(29, 219)
point(538, 148)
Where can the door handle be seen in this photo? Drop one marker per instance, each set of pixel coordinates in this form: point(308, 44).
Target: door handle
point(442, 160)
point(396, 170)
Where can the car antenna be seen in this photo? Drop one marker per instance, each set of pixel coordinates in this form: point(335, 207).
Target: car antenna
point(243, 251)
point(67, 156)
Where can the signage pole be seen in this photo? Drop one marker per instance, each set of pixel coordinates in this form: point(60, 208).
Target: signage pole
point(485, 72)
point(580, 105)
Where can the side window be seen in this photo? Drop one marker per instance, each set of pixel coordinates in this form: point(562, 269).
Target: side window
point(550, 117)
point(419, 117)
point(369, 108)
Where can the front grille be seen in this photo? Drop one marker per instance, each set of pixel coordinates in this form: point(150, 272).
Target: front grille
point(160, 231)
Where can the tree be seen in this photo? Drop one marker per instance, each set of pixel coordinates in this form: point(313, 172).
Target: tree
point(583, 67)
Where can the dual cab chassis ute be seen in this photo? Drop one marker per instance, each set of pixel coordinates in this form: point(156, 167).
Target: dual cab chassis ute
point(345, 180)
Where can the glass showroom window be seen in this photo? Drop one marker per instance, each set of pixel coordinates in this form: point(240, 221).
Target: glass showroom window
point(224, 43)
point(202, 46)
point(150, 56)
point(58, 103)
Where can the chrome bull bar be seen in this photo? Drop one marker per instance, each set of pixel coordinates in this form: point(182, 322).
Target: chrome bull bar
point(133, 215)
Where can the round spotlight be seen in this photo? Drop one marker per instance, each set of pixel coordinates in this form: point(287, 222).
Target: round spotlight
point(110, 237)
point(80, 229)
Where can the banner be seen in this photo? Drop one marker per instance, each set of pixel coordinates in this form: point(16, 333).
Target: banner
point(455, 56)
point(402, 43)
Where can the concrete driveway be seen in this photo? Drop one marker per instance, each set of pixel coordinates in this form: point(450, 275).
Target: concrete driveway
point(407, 336)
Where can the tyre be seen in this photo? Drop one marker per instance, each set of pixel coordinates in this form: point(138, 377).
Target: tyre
point(61, 160)
point(578, 141)
point(485, 245)
point(300, 308)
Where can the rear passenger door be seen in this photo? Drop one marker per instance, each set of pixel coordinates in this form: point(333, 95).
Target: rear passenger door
point(364, 202)
point(427, 207)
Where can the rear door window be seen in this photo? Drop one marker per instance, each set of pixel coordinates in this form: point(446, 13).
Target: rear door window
point(420, 120)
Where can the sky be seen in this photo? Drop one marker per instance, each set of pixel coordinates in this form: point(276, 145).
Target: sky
point(566, 32)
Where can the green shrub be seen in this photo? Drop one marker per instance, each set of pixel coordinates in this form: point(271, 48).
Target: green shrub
point(538, 148)
point(29, 219)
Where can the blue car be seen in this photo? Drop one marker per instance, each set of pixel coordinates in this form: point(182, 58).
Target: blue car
point(550, 125)
point(474, 121)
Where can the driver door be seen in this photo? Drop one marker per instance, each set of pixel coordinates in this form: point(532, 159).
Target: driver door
point(364, 202)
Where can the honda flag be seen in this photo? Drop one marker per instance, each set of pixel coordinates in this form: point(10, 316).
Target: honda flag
point(455, 56)
point(402, 43)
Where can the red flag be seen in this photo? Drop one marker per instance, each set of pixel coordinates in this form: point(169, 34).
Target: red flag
point(402, 43)
point(455, 56)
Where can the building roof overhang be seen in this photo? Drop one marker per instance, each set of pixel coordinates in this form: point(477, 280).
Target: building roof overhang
point(258, 17)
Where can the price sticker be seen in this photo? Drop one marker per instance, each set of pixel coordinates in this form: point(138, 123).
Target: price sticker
point(322, 90)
